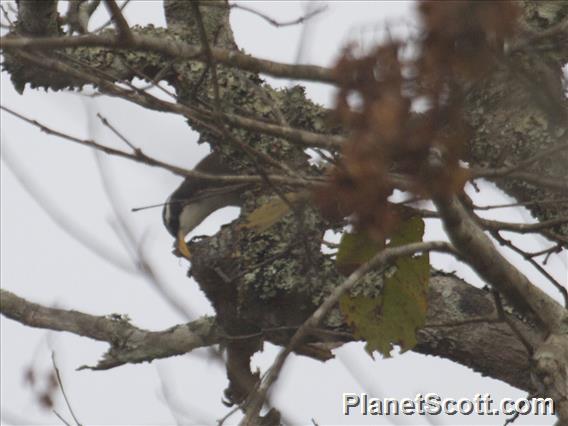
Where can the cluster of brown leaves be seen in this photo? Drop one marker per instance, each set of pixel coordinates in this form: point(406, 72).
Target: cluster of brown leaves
point(374, 104)
point(461, 38)
point(44, 390)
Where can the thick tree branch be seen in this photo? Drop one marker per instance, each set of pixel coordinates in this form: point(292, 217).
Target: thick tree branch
point(517, 139)
point(551, 360)
point(122, 27)
point(481, 254)
point(264, 290)
point(174, 49)
point(462, 325)
point(38, 17)
point(129, 344)
point(305, 138)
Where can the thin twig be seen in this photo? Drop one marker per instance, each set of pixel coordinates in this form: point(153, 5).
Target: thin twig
point(496, 225)
point(556, 183)
point(557, 248)
point(272, 21)
point(503, 316)
point(139, 156)
point(107, 23)
point(63, 389)
point(6, 16)
point(517, 170)
point(60, 417)
point(116, 132)
point(523, 228)
point(140, 258)
point(527, 256)
point(553, 201)
point(226, 417)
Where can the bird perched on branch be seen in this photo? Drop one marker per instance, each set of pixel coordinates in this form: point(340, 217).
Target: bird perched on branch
point(197, 198)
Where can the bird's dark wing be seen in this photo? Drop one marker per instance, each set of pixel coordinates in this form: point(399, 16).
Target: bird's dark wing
point(230, 191)
point(195, 190)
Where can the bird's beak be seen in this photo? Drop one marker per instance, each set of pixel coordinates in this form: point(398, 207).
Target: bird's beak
point(182, 246)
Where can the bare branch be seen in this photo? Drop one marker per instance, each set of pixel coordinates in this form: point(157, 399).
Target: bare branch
point(305, 138)
point(252, 153)
point(550, 182)
point(60, 382)
point(522, 228)
point(60, 417)
point(6, 17)
point(470, 338)
point(175, 49)
point(107, 23)
point(116, 132)
point(122, 26)
point(479, 252)
point(38, 18)
point(197, 115)
point(497, 225)
point(137, 249)
point(553, 201)
point(79, 13)
point(129, 344)
point(140, 157)
point(517, 171)
point(273, 21)
point(529, 258)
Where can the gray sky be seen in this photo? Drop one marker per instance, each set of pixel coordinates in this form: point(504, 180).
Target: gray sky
point(43, 264)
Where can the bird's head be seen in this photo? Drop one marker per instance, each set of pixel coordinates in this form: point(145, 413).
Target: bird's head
point(197, 198)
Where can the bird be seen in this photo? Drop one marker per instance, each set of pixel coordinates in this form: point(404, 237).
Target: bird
point(196, 198)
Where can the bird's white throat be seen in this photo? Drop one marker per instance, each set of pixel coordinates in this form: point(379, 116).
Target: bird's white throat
point(195, 213)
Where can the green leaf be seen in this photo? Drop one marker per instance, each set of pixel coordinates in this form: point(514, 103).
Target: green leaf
point(396, 315)
point(409, 231)
point(354, 250)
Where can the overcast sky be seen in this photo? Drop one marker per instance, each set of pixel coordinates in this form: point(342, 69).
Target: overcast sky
point(42, 263)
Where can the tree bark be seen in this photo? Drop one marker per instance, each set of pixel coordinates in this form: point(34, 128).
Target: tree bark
point(276, 278)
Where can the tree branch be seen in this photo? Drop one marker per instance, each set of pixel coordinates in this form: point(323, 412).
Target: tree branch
point(140, 157)
point(461, 325)
point(481, 254)
point(129, 344)
point(175, 49)
point(122, 27)
point(383, 258)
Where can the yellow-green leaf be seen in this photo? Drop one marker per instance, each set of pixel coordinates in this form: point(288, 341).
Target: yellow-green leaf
point(354, 250)
point(396, 315)
point(409, 231)
point(270, 212)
